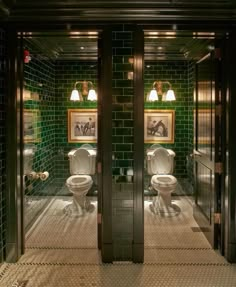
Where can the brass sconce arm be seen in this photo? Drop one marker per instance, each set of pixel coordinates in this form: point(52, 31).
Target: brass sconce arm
point(158, 85)
point(87, 89)
point(157, 90)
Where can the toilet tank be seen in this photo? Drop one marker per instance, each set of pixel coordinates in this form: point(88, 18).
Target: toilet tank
point(160, 161)
point(82, 161)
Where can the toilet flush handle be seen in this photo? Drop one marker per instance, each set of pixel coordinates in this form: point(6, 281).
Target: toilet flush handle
point(149, 157)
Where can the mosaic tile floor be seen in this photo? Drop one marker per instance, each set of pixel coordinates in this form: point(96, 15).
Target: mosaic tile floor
point(56, 230)
point(174, 254)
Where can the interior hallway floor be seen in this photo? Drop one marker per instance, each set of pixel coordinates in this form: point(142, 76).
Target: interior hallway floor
point(176, 253)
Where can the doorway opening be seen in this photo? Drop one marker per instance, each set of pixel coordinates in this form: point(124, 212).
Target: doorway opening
point(180, 128)
point(60, 136)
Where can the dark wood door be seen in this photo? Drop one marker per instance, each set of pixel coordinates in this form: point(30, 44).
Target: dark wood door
point(207, 166)
point(104, 155)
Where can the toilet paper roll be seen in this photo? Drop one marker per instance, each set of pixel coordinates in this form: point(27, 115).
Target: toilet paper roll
point(33, 175)
point(44, 175)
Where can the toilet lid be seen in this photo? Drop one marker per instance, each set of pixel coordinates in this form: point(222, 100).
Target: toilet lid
point(80, 161)
point(161, 161)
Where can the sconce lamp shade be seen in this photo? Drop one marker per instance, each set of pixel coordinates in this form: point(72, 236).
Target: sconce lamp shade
point(84, 85)
point(75, 96)
point(158, 90)
point(153, 96)
point(92, 96)
point(170, 95)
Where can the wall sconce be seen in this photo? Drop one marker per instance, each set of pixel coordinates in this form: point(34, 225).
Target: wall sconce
point(87, 89)
point(157, 90)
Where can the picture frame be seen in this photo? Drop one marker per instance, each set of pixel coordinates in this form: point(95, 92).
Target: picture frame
point(32, 126)
point(82, 125)
point(159, 126)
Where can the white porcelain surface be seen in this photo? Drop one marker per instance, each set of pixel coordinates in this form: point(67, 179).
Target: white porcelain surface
point(80, 182)
point(160, 164)
point(160, 161)
point(82, 165)
point(28, 156)
point(163, 181)
point(82, 161)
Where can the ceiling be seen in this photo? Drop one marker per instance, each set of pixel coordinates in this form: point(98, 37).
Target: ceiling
point(159, 45)
point(173, 45)
point(116, 10)
point(67, 47)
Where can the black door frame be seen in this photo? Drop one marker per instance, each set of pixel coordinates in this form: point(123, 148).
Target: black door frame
point(14, 163)
point(14, 247)
point(228, 89)
point(138, 213)
point(207, 162)
point(230, 151)
point(105, 141)
point(15, 233)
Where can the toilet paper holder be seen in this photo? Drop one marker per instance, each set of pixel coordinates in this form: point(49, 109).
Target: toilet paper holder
point(43, 175)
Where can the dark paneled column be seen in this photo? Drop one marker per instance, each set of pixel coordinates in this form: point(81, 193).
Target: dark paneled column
point(105, 148)
point(231, 153)
point(122, 142)
point(138, 241)
point(3, 139)
point(14, 208)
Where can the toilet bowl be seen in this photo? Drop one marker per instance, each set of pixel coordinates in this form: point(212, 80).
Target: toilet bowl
point(164, 185)
point(160, 164)
point(82, 166)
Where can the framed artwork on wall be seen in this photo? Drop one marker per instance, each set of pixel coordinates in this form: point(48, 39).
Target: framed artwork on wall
point(32, 126)
point(82, 125)
point(159, 126)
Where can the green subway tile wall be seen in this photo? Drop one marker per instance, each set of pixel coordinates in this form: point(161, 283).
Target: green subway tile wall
point(53, 80)
point(39, 83)
point(122, 140)
point(67, 73)
point(50, 83)
point(181, 75)
point(2, 142)
point(191, 84)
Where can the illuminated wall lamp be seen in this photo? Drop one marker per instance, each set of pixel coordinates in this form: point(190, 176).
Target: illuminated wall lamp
point(76, 95)
point(157, 90)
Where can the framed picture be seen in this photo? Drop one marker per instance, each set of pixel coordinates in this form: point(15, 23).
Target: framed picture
point(159, 126)
point(82, 125)
point(32, 129)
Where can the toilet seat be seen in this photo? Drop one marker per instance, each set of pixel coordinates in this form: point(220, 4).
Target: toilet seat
point(79, 180)
point(162, 180)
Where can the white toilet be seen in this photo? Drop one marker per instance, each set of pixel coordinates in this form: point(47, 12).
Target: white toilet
point(160, 164)
point(82, 166)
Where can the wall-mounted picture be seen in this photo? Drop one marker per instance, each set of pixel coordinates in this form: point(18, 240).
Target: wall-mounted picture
point(82, 125)
point(159, 126)
point(32, 129)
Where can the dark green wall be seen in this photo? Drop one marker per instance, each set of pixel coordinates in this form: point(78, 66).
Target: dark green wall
point(39, 82)
point(67, 73)
point(122, 139)
point(180, 74)
point(52, 82)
